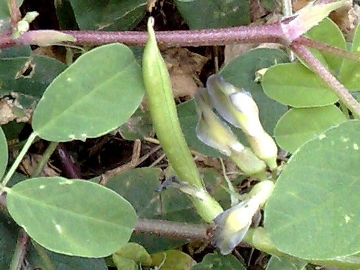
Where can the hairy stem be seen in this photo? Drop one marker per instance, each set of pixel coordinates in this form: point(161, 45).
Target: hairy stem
point(173, 229)
point(327, 48)
point(14, 12)
point(315, 65)
point(206, 37)
point(271, 33)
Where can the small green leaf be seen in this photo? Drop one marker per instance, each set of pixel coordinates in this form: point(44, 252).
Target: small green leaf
point(8, 235)
point(298, 126)
point(169, 204)
point(296, 86)
point(350, 70)
point(219, 262)
point(64, 262)
point(172, 260)
point(15, 52)
point(95, 95)
point(72, 217)
point(214, 14)
point(130, 256)
point(19, 72)
point(137, 126)
point(328, 32)
point(3, 153)
point(109, 15)
point(286, 263)
point(313, 212)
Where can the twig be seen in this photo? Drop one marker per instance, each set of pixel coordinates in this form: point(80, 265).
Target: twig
point(327, 48)
point(343, 94)
point(14, 12)
point(173, 229)
point(270, 33)
point(20, 251)
point(70, 169)
point(207, 37)
point(44, 159)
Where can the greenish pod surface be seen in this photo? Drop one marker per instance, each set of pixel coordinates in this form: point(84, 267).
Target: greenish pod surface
point(163, 112)
point(167, 126)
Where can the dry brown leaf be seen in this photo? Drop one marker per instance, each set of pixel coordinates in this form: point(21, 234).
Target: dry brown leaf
point(183, 67)
point(11, 109)
point(52, 52)
point(346, 18)
point(150, 4)
point(30, 161)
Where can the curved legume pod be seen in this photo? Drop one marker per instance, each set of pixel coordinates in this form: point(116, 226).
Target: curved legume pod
point(167, 127)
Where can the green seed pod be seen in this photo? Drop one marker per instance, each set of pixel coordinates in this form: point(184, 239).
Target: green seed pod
point(166, 123)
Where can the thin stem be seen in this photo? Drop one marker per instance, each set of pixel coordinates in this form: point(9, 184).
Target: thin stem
point(271, 33)
point(287, 8)
point(327, 48)
point(20, 251)
point(18, 159)
point(206, 37)
point(6, 40)
point(68, 167)
point(44, 159)
point(173, 229)
point(14, 12)
point(287, 12)
point(343, 94)
point(44, 256)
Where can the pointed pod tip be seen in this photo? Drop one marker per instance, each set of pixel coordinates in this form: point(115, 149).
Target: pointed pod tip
point(151, 22)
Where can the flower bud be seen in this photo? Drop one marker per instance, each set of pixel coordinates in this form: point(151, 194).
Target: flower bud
point(24, 25)
point(30, 16)
point(21, 28)
point(234, 105)
point(232, 224)
point(238, 108)
point(211, 130)
point(44, 38)
point(215, 133)
point(265, 148)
